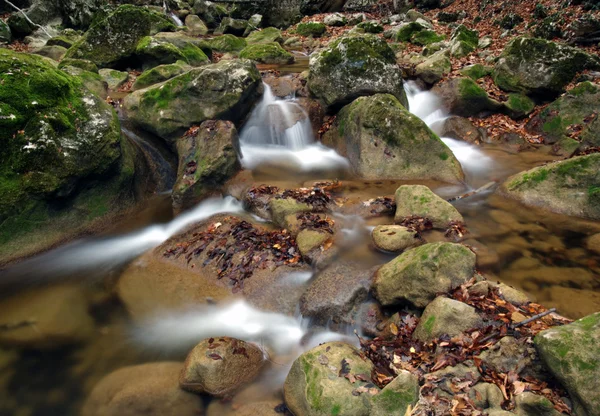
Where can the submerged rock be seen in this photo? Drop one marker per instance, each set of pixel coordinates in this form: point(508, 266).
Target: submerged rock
point(382, 140)
point(316, 384)
point(207, 158)
point(354, 66)
point(226, 90)
point(219, 366)
point(446, 316)
point(570, 187)
point(419, 274)
point(395, 238)
point(540, 67)
point(113, 39)
point(147, 389)
point(420, 201)
point(572, 355)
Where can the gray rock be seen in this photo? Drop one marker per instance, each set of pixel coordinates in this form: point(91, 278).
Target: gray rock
point(395, 238)
point(335, 19)
point(509, 354)
point(55, 53)
point(463, 97)
point(195, 25)
point(434, 67)
point(114, 79)
point(236, 27)
point(531, 404)
point(446, 316)
point(486, 396)
point(461, 128)
point(420, 201)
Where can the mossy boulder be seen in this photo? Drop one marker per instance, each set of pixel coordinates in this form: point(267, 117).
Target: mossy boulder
point(84, 64)
point(5, 33)
point(316, 386)
point(570, 187)
point(383, 140)
point(267, 53)
point(159, 74)
point(266, 35)
point(281, 208)
point(426, 37)
point(519, 105)
point(463, 41)
point(53, 52)
point(314, 29)
point(579, 106)
point(207, 159)
point(354, 66)
point(210, 12)
point(397, 397)
point(114, 79)
point(67, 38)
point(420, 201)
point(446, 316)
point(228, 25)
point(476, 71)
point(434, 67)
point(370, 27)
point(418, 275)
point(308, 240)
point(91, 80)
point(406, 31)
point(335, 19)
point(463, 97)
point(539, 67)
point(395, 238)
point(227, 43)
point(195, 25)
point(226, 90)
point(112, 40)
point(152, 53)
point(572, 354)
point(182, 41)
point(58, 140)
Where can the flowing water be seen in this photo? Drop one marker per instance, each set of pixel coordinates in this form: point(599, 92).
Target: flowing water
point(541, 253)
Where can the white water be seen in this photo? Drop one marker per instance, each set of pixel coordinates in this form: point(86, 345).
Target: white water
point(176, 19)
point(279, 130)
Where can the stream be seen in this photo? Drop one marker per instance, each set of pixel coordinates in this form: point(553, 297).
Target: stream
point(541, 253)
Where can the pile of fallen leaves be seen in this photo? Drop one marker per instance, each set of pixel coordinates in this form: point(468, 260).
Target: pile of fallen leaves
point(318, 198)
point(400, 351)
point(237, 248)
point(308, 220)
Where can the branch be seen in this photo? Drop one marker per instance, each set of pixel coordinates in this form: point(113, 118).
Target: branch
point(27, 18)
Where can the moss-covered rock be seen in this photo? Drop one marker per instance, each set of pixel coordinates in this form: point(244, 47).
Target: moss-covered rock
point(572, 354)
point(540, 67)
point(463, 41)
point(314, 29)
point(463, 97)
point(266, 35)
point(570, 187)
point(267, 53)
point(426, 37)
point(382, 139)
point(476, 71)
point(114, 79)
point(370, 27)
point(434, 67)
point(309, 240)
point(210, 12)
point(354, 66)
point(227, 43)
point(54, 52)
point(5, 33)
point(153, 51)
point(195, 26)
point(91, 80)
point(281, 208)
point(519, 105)
point(57, 139)
point(395, 238)
point(159, 74)
point(207, 159)
point(226, 90)
point(397, 397)
point(66, 39)
point(407, 30)
point(114, 39)
point(420, 201)
point(79, 63)
point(335, 19)
point(445, 316)
point(314, 386)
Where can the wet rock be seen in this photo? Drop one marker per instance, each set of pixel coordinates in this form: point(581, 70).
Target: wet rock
point(115, 39)
point(486, 396)
point(510, 354)
point(195, 25)
point(267, 53)
point(114, 79)
point(434, 67)
point(281, 208)
point(309, 240)
point(226, 90)
point(570, 352)
point(207, 159)
point(159, 74)
point(531, 404)
point(461, 128)
point(579, 106)
point(147, 389)
point(395, 238)
point(446, 316)
point(420, 201)
point(266, 35)
point(570, 187)
point(220, 366)
point(419, 274)
point(382, 140)
point(463, 97)
point(336, 293)
point(335, 19)
point(512, 295)
point(263, 408)
point(539, 67)
point(354, 66)
point(397, 397)
point(318, 382)
point(45, 318)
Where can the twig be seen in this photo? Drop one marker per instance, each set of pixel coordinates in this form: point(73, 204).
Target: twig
point(471, 193)
point(534, 318)
point(27, 18)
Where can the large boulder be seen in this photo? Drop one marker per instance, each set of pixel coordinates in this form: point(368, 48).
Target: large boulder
point(540, 67)
point(59, 142)
point(226, 90)
point(418, 275)
point(113, 40)
point(572, 355)
point(354, 66)
point(319, 382)
point(420, 201)
point(446, 316)
point(434, 68)
point(220, 366)
point(383, 140)
point(152, 51)
point(266, 35)
point(159, 74)
point(579, 106)
point(570, 187)
point(267, 53)
point(147, 389)
point(208, 156)
point(463, 97)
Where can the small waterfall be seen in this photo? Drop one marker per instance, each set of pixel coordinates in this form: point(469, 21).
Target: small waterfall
point(279, 131)
point(176, 19)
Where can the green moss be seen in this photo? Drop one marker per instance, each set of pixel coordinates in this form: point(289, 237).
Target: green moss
point(583, 89)
point(227, 43)
point(79, 63)
point(426, 37)
point(463, 34)
point(370, 27)
point(335, 410)
point(266, 35)
point(519, 105)
point(469, 90)
point(443, 156)
point(476, 71)
point(406, 31)
point(314, 29)
point(159, 74)
point(428, 325)
point(394, 402)
point(267, 53)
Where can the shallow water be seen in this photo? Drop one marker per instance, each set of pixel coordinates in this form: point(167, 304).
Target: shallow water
point(541, 253)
